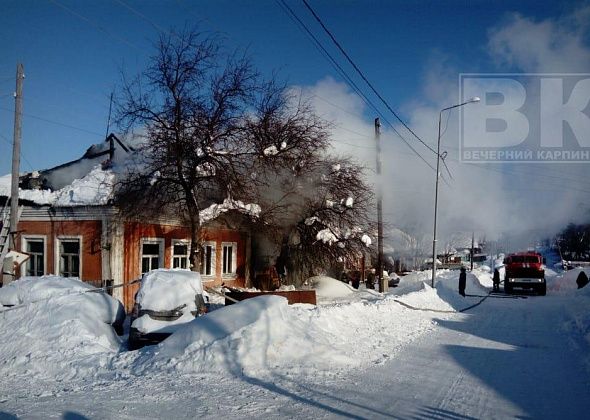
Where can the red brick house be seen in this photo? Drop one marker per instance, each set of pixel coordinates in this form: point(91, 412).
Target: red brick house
point(72, 230)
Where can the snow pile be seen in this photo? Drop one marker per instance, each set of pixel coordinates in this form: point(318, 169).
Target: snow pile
point(567, 281)
point(58, 331)
point(265, 334)
point(215, 210)
point(33, 289)
point(330, 288)
point(577, 306)
point(256, 334)
point(415, 290)
point(412, 282)
point(426, 298)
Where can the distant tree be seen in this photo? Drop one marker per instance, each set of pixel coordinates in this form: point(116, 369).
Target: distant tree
point(574, 241)
point(212, 128)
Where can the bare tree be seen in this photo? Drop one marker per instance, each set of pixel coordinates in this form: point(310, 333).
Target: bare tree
point(321, 214)
point(212, 128)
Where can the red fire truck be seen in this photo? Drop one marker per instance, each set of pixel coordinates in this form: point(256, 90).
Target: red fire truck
point(525, 270)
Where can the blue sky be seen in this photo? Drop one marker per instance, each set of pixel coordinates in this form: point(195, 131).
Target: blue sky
point(73, 58)
point(74, 51)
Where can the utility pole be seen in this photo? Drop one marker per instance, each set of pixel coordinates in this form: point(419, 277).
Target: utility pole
point(18, 111)
point(379, 274)
point(472, 247)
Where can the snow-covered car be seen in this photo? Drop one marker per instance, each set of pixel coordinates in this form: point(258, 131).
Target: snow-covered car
point(166, 300)
point(85, 300)
point(392, 279)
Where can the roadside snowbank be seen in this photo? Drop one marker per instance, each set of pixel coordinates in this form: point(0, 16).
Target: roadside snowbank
point(58, 331)
point(566, 282)
point(256, 334)
point(330, 288)
point(265, 334)
point(62, 338)
point(417, 292)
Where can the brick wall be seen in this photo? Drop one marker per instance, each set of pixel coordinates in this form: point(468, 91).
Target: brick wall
point(88, 231)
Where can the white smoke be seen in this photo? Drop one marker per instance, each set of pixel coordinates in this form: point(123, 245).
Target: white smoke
point(491, 199)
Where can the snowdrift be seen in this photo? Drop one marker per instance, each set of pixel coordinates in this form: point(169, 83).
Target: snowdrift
point(57, 330)
point(330, 288)
point(567, 281)
point(256, 334)
point(57, 333)
point(265, 333)
point(416, 290)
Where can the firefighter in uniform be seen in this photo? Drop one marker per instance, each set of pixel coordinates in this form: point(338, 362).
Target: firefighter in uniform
point(496, 280)
point(462, 281)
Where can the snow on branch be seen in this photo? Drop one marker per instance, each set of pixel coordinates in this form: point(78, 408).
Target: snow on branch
point(215, 210)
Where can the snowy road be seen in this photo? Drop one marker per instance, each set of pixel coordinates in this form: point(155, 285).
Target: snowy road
point(506, 358)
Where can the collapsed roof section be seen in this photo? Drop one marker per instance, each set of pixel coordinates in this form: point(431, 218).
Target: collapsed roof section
point(90, 181)
point(86, 181)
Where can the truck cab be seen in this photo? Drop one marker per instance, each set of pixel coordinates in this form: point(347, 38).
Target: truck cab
point(525, 270)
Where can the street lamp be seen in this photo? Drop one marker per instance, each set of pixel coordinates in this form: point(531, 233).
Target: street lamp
point(472, 100)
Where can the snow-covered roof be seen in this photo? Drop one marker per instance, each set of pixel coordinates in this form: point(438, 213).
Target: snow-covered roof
point(88, 181)
point(93, 189)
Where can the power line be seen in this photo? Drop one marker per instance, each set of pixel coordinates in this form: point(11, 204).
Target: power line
point(358, 70)
point(55, 122)
point(141, 15)
point(347, 78)
point(3, 137)
point(95, 25)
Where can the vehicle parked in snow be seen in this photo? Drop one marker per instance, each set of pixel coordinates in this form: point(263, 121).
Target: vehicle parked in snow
point(166, 300)
point(525, 270)
point(64, 292)
point(392, 279)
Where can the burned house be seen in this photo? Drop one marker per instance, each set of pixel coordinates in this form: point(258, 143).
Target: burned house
point(68, 226)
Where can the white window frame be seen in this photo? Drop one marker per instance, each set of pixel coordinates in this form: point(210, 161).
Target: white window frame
point(234, 259)
point(161, 249)
point(213, 245)
point(58, 241)
point(188, 252)
point(24, 243)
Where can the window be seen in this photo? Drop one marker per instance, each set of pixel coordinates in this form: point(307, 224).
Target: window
point(208, 259)
point(35, 247)
point(69, 257)
point(229, 258)
point(151, 254)
point(180, 254)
